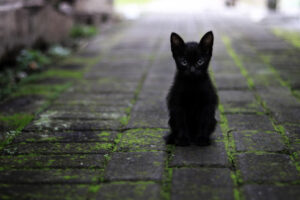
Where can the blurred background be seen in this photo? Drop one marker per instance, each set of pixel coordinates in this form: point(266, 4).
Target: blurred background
point(35, 32)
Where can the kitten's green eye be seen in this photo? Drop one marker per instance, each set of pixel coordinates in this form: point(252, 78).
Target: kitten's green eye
point(183, 63)
point(200, 62)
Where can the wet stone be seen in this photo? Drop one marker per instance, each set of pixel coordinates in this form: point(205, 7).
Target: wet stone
point(45, 192)
point(153, 119)
point(87, 116)
point(293, 132)
point(243, 122)
point(52, 161)
point(94, 102)
point(135, 166)
point(287, 115)
point(258, 141)
point(57, 176)
point(266, 168)
point(291, 76)
point(212, 155)
point(89, 109)
point(149, 112)
point(99, 98)
point(278, 98)
point(236, 101)
point(295, 146)
point(264, 78)
point(230, 82)
point(107, 86)
point(262, 192)
point(69, 136)
point(75, 125)
point(57, 148)
point(147, 191)
point(142, 140)
point(222, 63)
point(202, 183)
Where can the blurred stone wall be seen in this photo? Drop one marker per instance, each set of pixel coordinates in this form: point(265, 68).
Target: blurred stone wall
point(24, 23)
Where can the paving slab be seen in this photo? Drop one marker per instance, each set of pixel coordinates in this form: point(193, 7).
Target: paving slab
point(259, 141)
point(52, 176)
point(293, 132)
point(129, 190)
point(246, 122)
point(230, 82)
point(52, 161)
point(75, 125)
point(261, 192)
point(53, 192)
point(213, 155)
point(267, 168)
point(202, 183)
point(57, 148)
point(239, 101)
point(135, 166)
point(66, 137)
point(149, 112)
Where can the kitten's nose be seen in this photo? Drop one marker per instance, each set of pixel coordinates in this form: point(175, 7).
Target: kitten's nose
point(192, 69)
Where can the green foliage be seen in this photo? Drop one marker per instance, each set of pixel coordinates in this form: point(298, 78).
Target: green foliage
point(32, 59)
point(7, 83)
point(16, 121)
point(81, 31)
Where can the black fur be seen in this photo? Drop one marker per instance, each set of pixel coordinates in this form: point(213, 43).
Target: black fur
point(192, 99)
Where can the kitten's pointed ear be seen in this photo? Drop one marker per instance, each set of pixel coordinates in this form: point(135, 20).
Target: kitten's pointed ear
point(177, 42)
point(207, 41)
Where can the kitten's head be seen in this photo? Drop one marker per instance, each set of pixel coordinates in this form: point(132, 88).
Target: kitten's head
point(192, 58)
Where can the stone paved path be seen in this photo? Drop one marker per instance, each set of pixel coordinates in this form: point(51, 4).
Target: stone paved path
point(102, 138)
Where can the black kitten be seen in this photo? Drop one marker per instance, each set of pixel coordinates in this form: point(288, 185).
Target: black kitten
point(192, 99)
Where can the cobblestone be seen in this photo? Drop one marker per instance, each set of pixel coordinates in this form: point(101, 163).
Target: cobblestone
point(203, 183)
point(135, 166)
point(267, 168)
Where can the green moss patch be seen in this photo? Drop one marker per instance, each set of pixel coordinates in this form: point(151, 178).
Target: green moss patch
point(142, 140)
point(16, 121)
point(124, 120)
